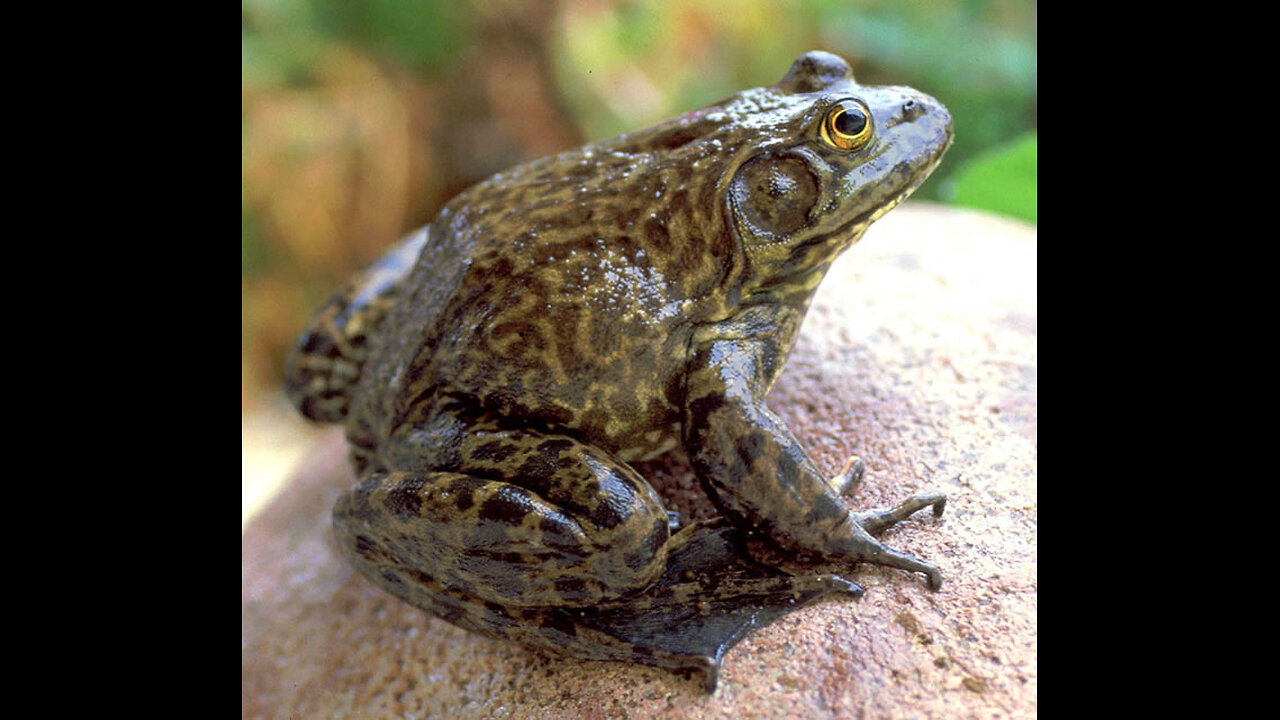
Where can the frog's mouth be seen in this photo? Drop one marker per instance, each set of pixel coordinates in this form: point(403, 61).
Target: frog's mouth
point(851, 193)
point(917, 179)
point(844, 234)
point(800, 260)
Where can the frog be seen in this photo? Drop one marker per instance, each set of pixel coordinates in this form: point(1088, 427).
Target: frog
point(502, 370)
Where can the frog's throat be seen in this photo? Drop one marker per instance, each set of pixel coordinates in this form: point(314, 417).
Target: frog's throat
point(796, 259)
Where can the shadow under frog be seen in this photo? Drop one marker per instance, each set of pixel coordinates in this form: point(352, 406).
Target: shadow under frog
point(499, 369)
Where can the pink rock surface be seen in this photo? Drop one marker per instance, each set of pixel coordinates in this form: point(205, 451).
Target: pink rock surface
point(919, 355)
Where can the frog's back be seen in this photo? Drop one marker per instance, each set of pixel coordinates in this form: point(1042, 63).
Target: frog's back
point(561, 293)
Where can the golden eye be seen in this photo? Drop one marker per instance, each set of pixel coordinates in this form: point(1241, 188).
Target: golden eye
point(847, 125)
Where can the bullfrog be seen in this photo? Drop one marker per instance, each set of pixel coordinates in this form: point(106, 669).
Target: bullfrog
point(501, 371)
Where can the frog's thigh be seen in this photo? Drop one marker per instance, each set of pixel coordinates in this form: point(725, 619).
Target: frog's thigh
point(571, 528)
point(326, 364)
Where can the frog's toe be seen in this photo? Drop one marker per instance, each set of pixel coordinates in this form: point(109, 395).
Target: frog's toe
point(841, 585)
point(935, 579)
point(673, 520)
point(875, 521)
point(850, 477)
point(892, 558)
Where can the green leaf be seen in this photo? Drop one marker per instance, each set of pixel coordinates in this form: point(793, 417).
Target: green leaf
point(1002, 180)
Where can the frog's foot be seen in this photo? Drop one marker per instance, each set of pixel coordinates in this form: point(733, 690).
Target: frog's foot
point(710, 597)
point(873, 522)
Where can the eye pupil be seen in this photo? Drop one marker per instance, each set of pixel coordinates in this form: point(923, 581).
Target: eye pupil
point(850, 122)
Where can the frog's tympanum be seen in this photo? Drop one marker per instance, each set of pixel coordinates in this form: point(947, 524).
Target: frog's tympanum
point(500, 369)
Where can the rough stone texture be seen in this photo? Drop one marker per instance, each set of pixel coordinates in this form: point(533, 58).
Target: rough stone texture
point(919, 355)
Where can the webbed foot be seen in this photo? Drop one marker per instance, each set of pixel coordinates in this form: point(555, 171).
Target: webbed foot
point(711, 596)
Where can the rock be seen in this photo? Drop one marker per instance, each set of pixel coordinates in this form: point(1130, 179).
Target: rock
point(919, 355)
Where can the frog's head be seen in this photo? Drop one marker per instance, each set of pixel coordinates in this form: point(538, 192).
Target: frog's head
point(826, 157)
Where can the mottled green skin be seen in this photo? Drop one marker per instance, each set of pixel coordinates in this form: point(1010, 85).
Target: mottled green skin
point(498, 370)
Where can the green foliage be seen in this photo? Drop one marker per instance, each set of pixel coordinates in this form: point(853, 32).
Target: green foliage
point(978, 57)
point(419, 35)
point(281, 39)
point(1001, 180)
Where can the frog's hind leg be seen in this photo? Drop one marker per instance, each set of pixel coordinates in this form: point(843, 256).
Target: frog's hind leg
point(328, 358)
point(577, 558)
point(712, 593)
point(711, 596)
point(492, 541)
point(537, 528)
point(402, 560)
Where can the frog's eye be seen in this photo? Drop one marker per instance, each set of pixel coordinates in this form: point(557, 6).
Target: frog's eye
point(847, 125)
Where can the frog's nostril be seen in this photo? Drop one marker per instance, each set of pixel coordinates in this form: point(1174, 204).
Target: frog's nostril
point(911, 110)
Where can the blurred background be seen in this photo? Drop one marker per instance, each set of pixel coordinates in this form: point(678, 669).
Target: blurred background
point(360, 118)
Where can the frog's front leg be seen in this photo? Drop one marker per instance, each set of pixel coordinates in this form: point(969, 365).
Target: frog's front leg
point(759, 474)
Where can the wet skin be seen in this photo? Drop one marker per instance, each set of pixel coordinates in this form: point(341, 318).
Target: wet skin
point(500, 368)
